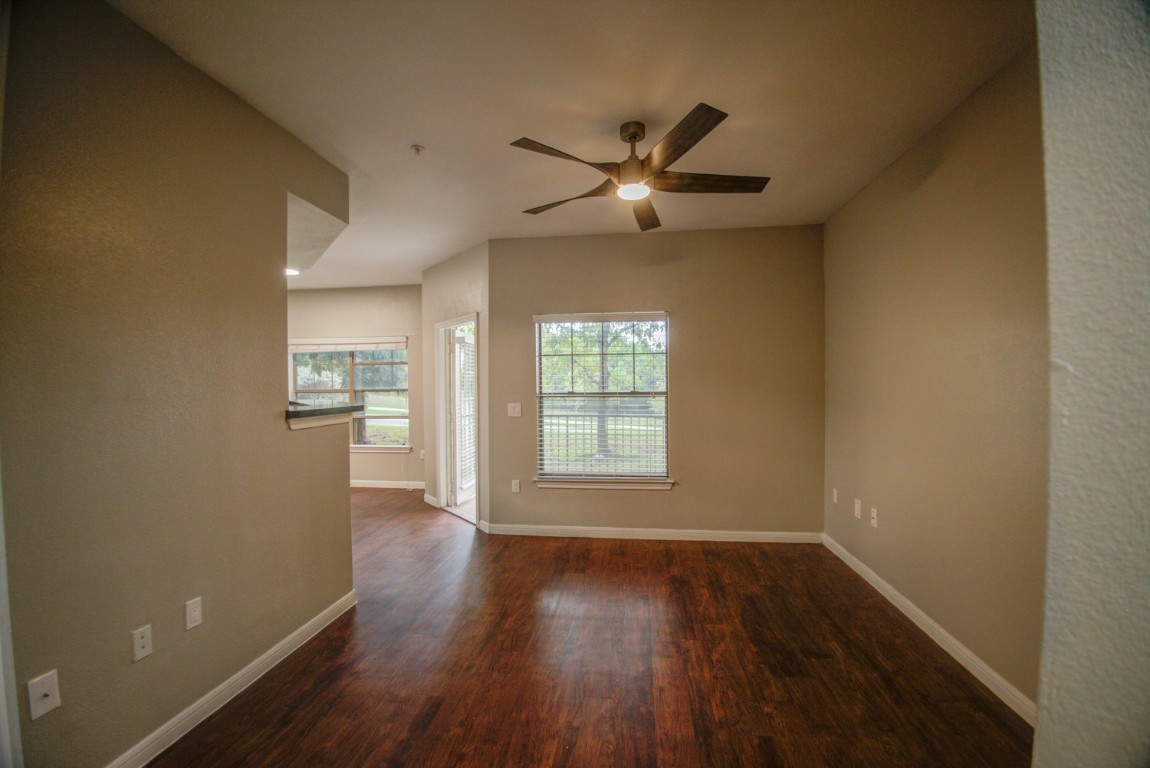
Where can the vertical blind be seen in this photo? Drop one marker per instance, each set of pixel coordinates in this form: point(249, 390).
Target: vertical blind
point(465, 411)
point(601, 384)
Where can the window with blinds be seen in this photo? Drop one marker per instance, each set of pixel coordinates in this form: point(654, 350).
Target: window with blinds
point(601, 383)
point(370, 372)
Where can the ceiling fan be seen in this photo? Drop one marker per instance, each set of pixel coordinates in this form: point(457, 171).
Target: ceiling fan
point(633, 179)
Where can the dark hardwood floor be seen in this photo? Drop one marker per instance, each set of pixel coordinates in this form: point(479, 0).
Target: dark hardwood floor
point(475, 650)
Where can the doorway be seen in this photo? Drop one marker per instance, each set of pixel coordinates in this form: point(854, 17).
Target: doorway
point(458, 416)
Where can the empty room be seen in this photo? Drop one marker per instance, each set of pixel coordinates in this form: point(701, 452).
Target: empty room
point(518, 383)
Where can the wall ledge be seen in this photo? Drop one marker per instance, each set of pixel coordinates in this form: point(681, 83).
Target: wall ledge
point(1011, 696)
point(170, 732)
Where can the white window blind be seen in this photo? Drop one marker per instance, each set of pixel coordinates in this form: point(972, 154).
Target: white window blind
point(601, 383)
point(347, 345)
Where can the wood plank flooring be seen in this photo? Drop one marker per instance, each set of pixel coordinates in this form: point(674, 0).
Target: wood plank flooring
point(475, 650)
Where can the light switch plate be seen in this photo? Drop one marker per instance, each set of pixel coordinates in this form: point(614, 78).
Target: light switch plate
point(514, 409)
point(43, 694)
point(193, 613)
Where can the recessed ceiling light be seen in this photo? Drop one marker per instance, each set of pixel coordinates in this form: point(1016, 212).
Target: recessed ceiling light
point(291, 272)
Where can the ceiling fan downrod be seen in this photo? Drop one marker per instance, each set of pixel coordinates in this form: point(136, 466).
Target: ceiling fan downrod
point(631, 169)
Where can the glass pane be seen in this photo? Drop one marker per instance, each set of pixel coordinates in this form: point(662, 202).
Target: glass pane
point(381, 376)
point(392, 432)
point(586, 373)
point(322, 399)
point(555, 338)
point(321, 370)
point(603, 436)
point(620, 371)
point(555, 373)
point(383, 403)
point(620, 337)
point(381, 356)
point(587, 338)
point(650, 373)
point(651, 336)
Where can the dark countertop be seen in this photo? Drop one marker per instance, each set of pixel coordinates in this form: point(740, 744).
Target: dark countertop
point(295, 411)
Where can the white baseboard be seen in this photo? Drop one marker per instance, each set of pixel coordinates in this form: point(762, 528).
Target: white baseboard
point(1011, 696)
point(409, 485)
point(654, 534)
point(484, 526)
point(168, 733)
point(427, 497)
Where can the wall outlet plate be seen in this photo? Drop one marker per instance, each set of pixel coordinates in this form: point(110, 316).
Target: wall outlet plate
point(141, 642)
point(873, 517)
point(43, 694)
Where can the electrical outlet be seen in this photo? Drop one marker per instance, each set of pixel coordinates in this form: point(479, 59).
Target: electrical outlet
point(835, 495)
point(421, 452)
point(873, 517)
point(141, 642)
point(43, 694)
point(858, 508)
point(193, 613)
point(515, 486)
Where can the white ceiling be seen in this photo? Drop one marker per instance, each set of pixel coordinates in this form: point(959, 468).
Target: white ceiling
point(822, 95)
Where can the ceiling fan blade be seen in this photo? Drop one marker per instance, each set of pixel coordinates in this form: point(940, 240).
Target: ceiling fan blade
point(697, 124)
point(672, 181)
point(645, 214)
point(610, 169)
point(605, 189)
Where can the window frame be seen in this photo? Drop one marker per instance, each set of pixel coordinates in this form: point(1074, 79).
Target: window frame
point(596, 480)
point(350, 346)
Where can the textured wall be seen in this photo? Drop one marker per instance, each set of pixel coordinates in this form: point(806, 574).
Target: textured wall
point(937, 377)
point(745, 397)
point(357, 312)
point(1095, 693)
point(142, 338)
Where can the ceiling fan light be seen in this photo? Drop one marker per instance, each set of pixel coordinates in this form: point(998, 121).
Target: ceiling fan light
point(291, 272)
point(633, 191)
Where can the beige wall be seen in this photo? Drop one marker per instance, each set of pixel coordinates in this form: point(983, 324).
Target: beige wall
point(1095, 692)
point(452, 289)
point(745, 367)
point(936, 374)
point(142, 329)
point(359, 312)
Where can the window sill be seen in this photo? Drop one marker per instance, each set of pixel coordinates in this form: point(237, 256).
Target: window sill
point(606, 483)
point(380, 448)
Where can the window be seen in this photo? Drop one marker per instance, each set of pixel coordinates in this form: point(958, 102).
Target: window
point(368, 372)
point(601, 383)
